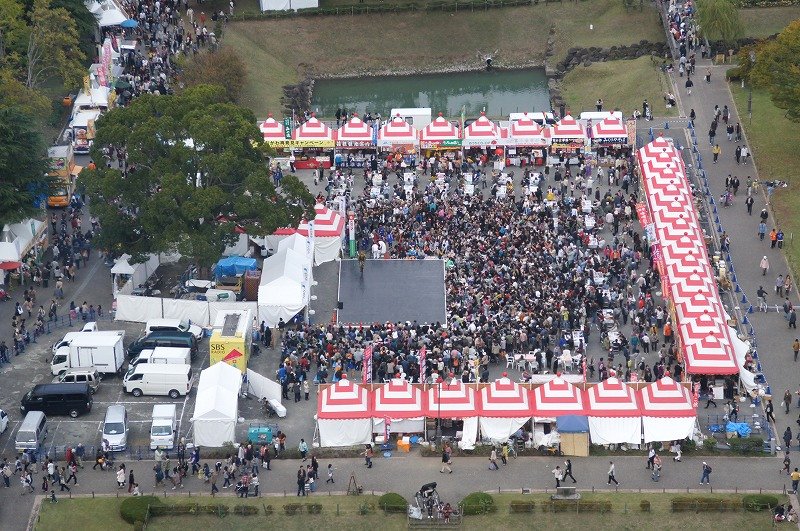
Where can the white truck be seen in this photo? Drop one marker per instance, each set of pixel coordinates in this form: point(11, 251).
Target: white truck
point(179, 355)
point(104, 351)
point(87, 328)
point(164, 426)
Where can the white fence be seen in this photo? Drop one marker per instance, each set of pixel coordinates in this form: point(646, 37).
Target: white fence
point(203, 313)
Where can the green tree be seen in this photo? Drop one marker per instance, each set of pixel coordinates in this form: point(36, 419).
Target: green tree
point(197, 170)
point(12, 27)
point(719, 20)
point(53, 47)
point(223, 67)
point(22, 165)
point(777, 69)
point(85, 23)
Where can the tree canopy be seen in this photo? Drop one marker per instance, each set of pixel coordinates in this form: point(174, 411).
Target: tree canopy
point(777, 69)
point(196, 170)
point(719, 20)
point(223, 67)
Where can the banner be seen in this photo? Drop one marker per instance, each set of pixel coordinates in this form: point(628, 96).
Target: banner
point(643, 214)
point(366, 370)
point(287, 128)
point(422, 358)
point(355, 144)
point(301, 143)
point(438, 144)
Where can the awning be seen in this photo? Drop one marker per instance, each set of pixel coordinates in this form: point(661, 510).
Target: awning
point(8, 266)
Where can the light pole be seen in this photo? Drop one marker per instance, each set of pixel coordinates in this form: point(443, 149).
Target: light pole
point(752, 56)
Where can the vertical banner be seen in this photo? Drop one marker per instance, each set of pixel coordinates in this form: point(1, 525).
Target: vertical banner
point(311, 242)
point(351, 233)
point(695, 394)
point(287, 128)
point(422, 359)
point(366, 369)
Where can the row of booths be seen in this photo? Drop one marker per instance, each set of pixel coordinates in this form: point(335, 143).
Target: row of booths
point(521, 140)
point(554, 412)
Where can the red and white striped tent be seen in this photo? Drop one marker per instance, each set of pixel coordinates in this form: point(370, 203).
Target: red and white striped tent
point(505, 407)
point(328, 233)
point(355, 134)
point(314, 130)
point(344, 415)
point(439, 131)
point(396, 133)
point(610, 130)
point(614, 413)
point(667, 411)
point(401, 403)
point(526, 133)
point(482, 133)
point(567, 130)
point(557, 398)
point(454, 400)
point(272, 129)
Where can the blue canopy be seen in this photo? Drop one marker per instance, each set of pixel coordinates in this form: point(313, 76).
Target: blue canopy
point(129, 23)
point(572, 424)
point(234, 265)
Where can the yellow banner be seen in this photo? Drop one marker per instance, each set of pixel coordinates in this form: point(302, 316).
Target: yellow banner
point(300, 143)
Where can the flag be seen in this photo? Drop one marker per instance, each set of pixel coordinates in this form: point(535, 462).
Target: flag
point(422, 353)
point(696, 395)
point(366, 373)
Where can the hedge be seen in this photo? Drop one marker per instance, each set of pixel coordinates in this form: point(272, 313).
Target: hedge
point(134, 509)
point(478, 503)
point(521, 506)
point(644, 505)
point(217, 509)
point(391, 502)
point(699, 503)
point(314, 508)
point(756, 503)
point(292, 508)
point(747, 445)
point(577, 506)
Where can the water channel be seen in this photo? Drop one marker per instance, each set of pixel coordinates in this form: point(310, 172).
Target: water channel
point(498, 92)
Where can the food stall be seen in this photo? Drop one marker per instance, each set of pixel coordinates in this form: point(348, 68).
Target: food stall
point(278, 135)
point(441, 139)
point(83, 130)
point(400, 140)
point(484, 140)
point(316, 141)
point(609, 137)
point(355, 144)
point(567, 139)
point(527, 143)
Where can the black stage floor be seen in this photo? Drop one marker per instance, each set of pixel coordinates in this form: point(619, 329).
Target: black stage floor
point(392, 290)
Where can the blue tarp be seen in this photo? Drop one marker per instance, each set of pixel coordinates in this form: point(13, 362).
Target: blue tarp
point(572, 424)
point(742, 428)
point(234, 265)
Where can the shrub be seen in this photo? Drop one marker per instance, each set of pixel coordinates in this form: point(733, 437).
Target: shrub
point(747, 445)
point(391, 502)
point(245, 510)
point(365, 509)
point(478, 503)
point(216, 509)
point(134, 509)
point(138, 526)
point(521, 506)
point(565, 506)
point(644, 505)
point(709, 444)
point(756, 503)
point(268, 510)
point(292, 508)
point(314, 508)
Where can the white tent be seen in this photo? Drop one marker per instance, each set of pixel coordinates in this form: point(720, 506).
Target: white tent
point(298, 243)
point(283, 5)
point(283, 292)
point(217, 405)
point(17, 239)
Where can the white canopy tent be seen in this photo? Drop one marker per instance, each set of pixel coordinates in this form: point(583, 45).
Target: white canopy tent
point(216, 406)
point(284, 288)
point(17, 239)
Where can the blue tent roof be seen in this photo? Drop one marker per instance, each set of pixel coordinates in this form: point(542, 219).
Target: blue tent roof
point(572, 424)
point(234, 265)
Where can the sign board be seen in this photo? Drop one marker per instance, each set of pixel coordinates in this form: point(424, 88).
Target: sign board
point(301, 143)
point(287, 128)
point(439, 144)
point(354, 144)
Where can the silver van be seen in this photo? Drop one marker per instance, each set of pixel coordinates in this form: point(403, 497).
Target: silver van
point(115, 428)
point(32, 431)
point(87, 375)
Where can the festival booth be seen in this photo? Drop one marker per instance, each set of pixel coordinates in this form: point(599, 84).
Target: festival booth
point(398, 408)
point(441, 137)
point(344, 416)
point(216, 408)
point(270, 241)
point(614, 414)
point(609, 137)
point(399, 141)
point(567, 139)
point(284, 287)
point(299, 244)
point(454, 406)
point(505, 408)
point(668, 413)
point(527, 143)
point(274, 132)
point(484, 138)
point(561, 403)
point(19, 239)
point(316, 140)
point(328, 233)
point(355, 144)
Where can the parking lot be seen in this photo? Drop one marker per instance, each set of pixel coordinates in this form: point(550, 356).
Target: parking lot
point(33, 367)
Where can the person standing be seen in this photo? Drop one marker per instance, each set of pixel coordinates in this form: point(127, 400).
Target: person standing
point(795, 351)
point(787, 400)
point(716, 150)
point(446, 459)
point(368, 454)
point(749, 204)
point(558, 475)
point(651, 455)
point(568, 471)
point(301, 481)
point(611, 473)
point(787, 464)
point(330, 474)
point(303, 448)
point(710, 396)
point(769, 409)
point(493, 459)
point(706, 477)
point(762, 230)
point(764, 265)
point(214, 478)
point(131, 481)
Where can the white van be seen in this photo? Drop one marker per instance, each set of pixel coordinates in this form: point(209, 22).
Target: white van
point(164, 426)
point(158, 379)
point(175, 355)
point(181, 325)
point(32, 431)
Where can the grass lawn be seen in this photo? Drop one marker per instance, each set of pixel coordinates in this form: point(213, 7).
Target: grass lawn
point(277, 51)
point(622, 85)
point(772, 139)
point(765, 21)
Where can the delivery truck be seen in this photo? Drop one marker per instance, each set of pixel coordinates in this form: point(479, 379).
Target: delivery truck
point(103, 351)
point(164, 426)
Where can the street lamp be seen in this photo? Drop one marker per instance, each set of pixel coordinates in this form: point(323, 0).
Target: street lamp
point(752, 56)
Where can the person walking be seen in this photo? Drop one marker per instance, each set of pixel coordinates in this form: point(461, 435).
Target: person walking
point(764, 265)
point(793, 319)
point(60, 479)
point(568, 471)
point(769, 409)
point(611, 473)
point(787, 464)
point(762, 230)
point(706, 477)
point(301, 481)
point(73, 469)
point(710, 396)
point(651, 455)
point(749, 204)
point(493, 459)
point(330, 474)
point(558, 475)
point(787, 400)
point(446, 459)
point(795, 480)
point(795, 351)
point(716, 150)
point(214, 478)
point(368, 454)
point(787, 438)
point(303, 448)
point(131, 481)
